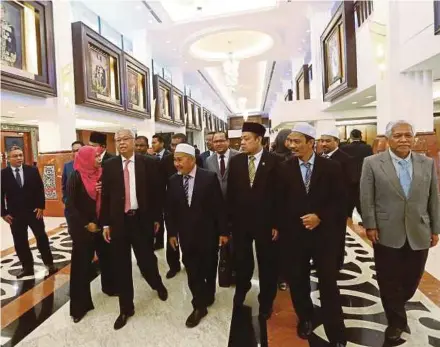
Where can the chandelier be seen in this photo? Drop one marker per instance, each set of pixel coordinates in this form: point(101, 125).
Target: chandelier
point(230, 69)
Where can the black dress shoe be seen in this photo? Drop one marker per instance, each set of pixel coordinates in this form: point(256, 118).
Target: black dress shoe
point(240, 296)
point(51, 269)
point(172, 273)
point(122, 320)
point(304, 329)
point(25, 272)
point(195, 317)
point(110, 293)
point(393, 334)
point(78, 318)
point(266, 314)
point(162, 292)
point(210, 301)
point(338, 344)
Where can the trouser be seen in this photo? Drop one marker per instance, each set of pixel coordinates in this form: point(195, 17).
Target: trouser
point(267, 266)
point(201, 278)
point(19, 229)
point(173, 257)
point(134, 235)
point(303, 247)
point(399, 271)
point(106, 265)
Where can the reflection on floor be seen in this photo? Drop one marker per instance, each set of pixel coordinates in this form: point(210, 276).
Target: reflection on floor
point(40, 316)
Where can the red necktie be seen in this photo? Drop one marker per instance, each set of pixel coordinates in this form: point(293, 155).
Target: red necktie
point(127, 186)
point(222, 165)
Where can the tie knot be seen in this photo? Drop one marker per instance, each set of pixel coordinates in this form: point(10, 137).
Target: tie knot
point(187, 177)
point(252, 158)
point(403, 163)
point(222, 156)
point(307, 165)
point(17, 169)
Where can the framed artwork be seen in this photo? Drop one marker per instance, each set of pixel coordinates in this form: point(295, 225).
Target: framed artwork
point(178, 107)
point(193, 112)
point(302, 82)
point(136, 88)
point(198, 116)
point(11, 141)
point(162, 94)
point(436, 17)
point(27, 51)
point(97, 69)
point(338, 51)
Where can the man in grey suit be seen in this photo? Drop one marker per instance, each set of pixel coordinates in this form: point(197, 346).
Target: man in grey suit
point(400, 210)
point(219, 161)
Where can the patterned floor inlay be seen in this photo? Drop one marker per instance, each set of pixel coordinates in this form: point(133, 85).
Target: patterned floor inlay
point(364, 316)
point(11, 287)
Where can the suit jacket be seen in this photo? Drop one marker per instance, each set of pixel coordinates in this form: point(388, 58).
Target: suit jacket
point(107, 156)
point(386, 208)
point(326, 198)
point(211, 164)
point(253, 209)
point(148, 192)
point(359, 150)
point(67, 170)
point(348, 174)
point(205, 155)
point(17, 201)
point(199, 225)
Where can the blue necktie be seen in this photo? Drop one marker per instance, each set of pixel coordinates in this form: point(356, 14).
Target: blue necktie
point(308, 176)
point(404, 176)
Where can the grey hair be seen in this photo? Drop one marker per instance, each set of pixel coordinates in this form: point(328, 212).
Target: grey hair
point(391, 125)
point(132, 134)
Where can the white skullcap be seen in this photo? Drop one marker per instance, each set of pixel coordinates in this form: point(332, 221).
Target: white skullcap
point(185, 148)
point(331, 132)
point(305, 128)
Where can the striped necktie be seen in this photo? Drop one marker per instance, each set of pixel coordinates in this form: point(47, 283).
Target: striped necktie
point(186, 179)
point(252, 169)
point(308, 176)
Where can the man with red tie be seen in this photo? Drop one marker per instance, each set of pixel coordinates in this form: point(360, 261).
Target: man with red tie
point(130, 214)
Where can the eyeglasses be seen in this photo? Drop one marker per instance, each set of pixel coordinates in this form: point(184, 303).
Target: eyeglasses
point(16, 156)
point(124, 139)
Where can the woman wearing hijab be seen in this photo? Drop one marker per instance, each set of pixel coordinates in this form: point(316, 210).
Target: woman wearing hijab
point(83, 203)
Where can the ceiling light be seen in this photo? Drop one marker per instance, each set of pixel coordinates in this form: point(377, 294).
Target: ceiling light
point(174, 49)
point(308, 30)
point(138, 7)
point(230, 68)
point(168, 41)
point(186, 62)
point(354, 102)
point(150, 21)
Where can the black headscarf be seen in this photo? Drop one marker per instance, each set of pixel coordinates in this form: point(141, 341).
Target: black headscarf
point(280, 140)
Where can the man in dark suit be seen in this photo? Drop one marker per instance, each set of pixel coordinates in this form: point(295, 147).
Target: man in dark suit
point(158, 145)
point(68, 169)
point(195, 213)
point(313, 200)
point(100, 140)
point(331, 150)
point(205, 155)
point(251, 201)
point(22, 205)
point(142, 147)
point(359, 150)
point(130, 214)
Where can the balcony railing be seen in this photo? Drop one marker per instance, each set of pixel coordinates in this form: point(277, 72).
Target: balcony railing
point(362, 10)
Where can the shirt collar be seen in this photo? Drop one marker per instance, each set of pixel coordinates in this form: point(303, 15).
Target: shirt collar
point(332, 152)
point(311, 160)
point(226, 154)
point(103, 153)
point(258, 155)
point(192, 173)
point(20, 168)
point(130, 159)
point(162, 152)
point(396, 158)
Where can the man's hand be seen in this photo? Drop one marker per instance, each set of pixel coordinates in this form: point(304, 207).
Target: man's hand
point(373, 235)
point(275, 234)
point(173, 242)
point(92, 227)
point(223, 240)
point(39, 212)
point(310, 221)
point(106, 234)
point(434, 240)
point(8, 218)
point(156, 227)
point(98, 186)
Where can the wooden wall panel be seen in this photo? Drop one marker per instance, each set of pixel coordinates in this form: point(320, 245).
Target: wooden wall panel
point(22, 137)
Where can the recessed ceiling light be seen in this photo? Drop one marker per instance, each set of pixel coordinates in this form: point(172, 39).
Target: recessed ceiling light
point(138, 7)
point(308, 30)
point(168, 41)
point(354, 102)
point(186, 62)
point(150, 21)
point(369, 97)
point(174, 49)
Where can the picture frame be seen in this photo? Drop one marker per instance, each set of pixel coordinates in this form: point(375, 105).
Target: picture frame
point(338, 53)
point(31, 71)
point(302, 83)
point(162, 94)
point(436, 17)
point(136, 88)
point(97, 67)
point(178, 106)
point(193, 112)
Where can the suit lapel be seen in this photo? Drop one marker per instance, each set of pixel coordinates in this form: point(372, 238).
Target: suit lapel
point(297, 172)
point(245, 169)
point(261, 169)
point(316, 173)
point(196, 187)
point(390, 171)
point(417, 174)
point(217, 168)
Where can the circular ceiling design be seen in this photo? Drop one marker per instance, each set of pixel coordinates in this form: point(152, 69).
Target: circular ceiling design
point(241, 43)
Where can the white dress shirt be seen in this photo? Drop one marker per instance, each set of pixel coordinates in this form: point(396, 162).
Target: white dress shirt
point(257, 159)
point(102, 155)
point(226, 155)
point(20, 172)
point(304, 169)
point(132, 174)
